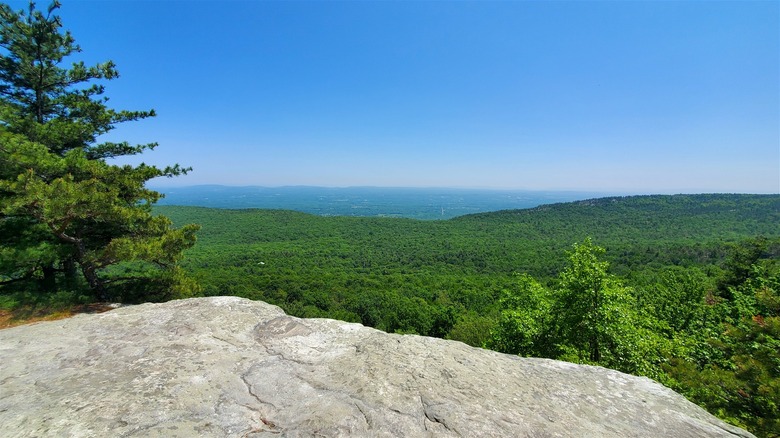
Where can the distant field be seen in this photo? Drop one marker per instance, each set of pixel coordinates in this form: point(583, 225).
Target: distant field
point(413, 203)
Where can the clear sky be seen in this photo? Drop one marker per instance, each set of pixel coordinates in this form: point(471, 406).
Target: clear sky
point(636, 97)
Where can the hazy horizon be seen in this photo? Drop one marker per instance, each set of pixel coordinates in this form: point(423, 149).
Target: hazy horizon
point(156, 186)
point(630, 97)
point(408, 202)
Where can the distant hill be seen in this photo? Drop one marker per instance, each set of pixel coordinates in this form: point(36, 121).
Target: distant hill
point(639, 232)
point(415, 203)
point(660, 217)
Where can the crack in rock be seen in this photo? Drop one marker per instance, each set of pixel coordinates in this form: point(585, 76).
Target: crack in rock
point(365, 416)
point(433, 416)
point(253, 394)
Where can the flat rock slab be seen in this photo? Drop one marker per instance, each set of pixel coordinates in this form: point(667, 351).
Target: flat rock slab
point(226, 366)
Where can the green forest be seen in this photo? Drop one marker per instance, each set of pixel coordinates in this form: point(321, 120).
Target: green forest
point(682, 289)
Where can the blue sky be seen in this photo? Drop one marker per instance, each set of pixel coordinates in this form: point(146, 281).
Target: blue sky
point(635, 97)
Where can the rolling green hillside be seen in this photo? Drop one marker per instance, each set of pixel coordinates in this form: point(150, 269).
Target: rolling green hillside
point(638, 232)
point(476, 254)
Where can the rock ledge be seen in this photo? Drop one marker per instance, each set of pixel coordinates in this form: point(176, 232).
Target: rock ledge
point(226, 366)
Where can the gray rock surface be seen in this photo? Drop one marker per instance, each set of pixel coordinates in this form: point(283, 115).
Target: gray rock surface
point(232, 367)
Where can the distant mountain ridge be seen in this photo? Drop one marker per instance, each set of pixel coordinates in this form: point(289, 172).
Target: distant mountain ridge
point(415, 203)
point(655, 217)
point(658, 204)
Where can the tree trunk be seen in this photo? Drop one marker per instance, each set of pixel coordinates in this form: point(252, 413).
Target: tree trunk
point(595, 353)
point(70, 273)
point(94, 281)
point(49, 281)
point(90, 272)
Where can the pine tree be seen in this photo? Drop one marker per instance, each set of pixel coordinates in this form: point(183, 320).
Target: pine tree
point(67, 216)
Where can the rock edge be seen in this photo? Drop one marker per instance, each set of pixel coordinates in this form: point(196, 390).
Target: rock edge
point(227, 366)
